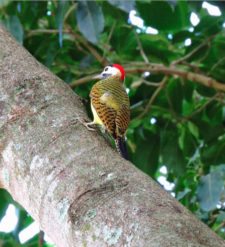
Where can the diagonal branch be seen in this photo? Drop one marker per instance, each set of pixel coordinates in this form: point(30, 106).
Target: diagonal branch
point(201, 108)
point(144, 56)
point(221, 60)
point(192, 52)
point(154, 96)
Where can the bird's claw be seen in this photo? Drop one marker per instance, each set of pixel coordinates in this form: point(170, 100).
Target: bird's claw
point(86, 123)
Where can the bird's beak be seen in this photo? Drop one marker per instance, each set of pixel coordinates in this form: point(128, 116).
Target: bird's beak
point(96, 77)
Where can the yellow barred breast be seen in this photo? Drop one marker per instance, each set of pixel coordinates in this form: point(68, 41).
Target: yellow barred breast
point(97, 120)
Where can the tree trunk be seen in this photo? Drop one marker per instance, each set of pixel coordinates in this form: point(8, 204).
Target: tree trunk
point(80, 191)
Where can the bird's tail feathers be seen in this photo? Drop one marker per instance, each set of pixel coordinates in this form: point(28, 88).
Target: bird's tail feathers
point(121, 147)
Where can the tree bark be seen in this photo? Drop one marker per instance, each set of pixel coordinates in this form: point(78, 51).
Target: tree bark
point(80, 191)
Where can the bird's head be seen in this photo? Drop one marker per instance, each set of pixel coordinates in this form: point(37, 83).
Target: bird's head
point(112, 70)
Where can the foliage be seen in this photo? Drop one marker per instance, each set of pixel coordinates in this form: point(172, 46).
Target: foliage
point(177, 123)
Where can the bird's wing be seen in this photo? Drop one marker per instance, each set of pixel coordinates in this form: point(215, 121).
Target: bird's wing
point(122, 119)
point(110, 100)
point(106, 113)
point(114, 114)
point(122, 116)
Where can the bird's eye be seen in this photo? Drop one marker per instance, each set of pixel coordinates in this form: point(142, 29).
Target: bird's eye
point(106, 68)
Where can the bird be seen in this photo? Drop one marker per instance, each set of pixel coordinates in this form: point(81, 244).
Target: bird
point(110, 105)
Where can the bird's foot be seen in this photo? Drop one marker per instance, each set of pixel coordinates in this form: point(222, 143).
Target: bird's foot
point(88, 126)
point(86, 123)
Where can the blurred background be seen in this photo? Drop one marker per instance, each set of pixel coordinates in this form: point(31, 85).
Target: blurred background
point(176, 134)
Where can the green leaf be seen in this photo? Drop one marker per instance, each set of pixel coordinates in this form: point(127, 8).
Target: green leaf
point(205, 91)
point(24, 220)
point(214, 113)
point(171, 154)
point(113, 15)
point(209, 190)
point(181, 36)
point(5, 199)
point(193, 129)
point(157, 46)
point(90, 20)
point(4, 3)
point(182, 13)
point(14, 26)
point(221, 169)
point(188, 89)
point(162, 16)
point(135, 123)
point(187, 142)
point(124, 42)
point(147, 151)
point(126, 6)
point(182, 194)
point(208, 24)
point(213, 153)
point(221, 217)
point(175, 95)
point(8, 240)
point(60, 12)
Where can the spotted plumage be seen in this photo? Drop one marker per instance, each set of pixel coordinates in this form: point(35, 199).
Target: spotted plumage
point(110, 105)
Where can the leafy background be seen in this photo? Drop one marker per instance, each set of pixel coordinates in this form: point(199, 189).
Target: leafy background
point(176, 134)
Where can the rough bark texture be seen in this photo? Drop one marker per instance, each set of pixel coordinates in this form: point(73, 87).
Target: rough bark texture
point(69, 179)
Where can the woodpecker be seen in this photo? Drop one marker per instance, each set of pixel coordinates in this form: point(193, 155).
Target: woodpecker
point(110, 105)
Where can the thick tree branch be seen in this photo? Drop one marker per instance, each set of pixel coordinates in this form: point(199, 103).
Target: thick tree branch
point(80, 191)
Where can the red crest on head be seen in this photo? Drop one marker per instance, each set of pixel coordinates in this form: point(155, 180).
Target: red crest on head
point(121, 69)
